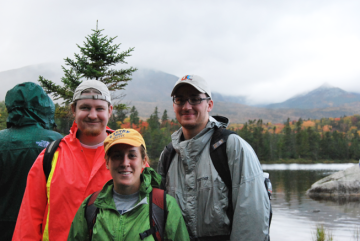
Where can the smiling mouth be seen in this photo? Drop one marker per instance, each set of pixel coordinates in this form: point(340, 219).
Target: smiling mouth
point(187, 113)
point(125, 173)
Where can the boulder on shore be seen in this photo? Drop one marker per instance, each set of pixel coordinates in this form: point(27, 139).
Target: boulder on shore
point(342, 184)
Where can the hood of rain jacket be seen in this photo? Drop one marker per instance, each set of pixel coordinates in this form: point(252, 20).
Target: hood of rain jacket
point(28, 104)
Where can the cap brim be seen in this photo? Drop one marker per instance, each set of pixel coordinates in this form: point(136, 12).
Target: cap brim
point(123, 141)
point(184, 83)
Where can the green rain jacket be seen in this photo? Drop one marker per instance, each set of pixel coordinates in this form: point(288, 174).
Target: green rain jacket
point(29, 124)
point(110, 225)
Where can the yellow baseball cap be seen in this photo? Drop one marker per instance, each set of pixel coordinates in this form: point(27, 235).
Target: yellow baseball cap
point(124, 136)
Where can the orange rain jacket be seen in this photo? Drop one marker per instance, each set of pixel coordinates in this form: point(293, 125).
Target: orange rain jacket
point(47, 210)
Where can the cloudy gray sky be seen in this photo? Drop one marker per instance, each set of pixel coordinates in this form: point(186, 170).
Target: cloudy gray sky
point(266, 50)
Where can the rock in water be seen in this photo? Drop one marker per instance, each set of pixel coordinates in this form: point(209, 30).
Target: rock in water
point(341, 184)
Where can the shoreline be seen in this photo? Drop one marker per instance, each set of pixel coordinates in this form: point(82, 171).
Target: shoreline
point(306, 161)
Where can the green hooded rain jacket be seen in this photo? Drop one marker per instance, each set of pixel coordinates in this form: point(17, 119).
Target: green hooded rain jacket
point(29, 131)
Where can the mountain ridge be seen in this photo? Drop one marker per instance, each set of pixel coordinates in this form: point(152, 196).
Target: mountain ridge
point(322, 97)
point(149, 89)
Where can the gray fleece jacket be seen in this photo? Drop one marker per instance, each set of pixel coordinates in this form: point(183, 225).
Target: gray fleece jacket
point(202, 195)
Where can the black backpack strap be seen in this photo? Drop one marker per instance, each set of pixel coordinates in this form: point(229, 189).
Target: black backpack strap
point(90, 212)
point(168, 155)
point(109, 131)
point(220, 161)
point(48, 156)
point(157, 215)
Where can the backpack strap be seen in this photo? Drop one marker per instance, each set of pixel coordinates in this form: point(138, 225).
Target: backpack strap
point(220, 161)
point(109, 131)
point(48, 156)
point(157, 215)
point(168, 154)
point(90, 212)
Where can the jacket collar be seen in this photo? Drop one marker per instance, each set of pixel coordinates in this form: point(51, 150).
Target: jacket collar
point(190, 149)
point(149, 179)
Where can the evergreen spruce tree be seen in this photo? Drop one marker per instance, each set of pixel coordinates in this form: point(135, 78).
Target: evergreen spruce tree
point(286, 144)
point(354, 151)
point(314, 143)
point(154, 119)
point(165, 116)
point(326, 145)
point(94, 62)
point(134, 116)
point(121, 113)
point(118, 116)
point(164, 120)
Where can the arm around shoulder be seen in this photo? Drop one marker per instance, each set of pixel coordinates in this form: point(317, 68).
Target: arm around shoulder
point(175, 228)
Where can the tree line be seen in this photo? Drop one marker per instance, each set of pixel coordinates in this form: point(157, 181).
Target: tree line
point(334, 139)
point(328, 138)
point(339, 142)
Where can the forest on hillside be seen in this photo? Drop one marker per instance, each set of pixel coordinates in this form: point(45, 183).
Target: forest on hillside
point(325, 139)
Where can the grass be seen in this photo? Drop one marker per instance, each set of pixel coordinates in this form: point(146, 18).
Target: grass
point(321, 234)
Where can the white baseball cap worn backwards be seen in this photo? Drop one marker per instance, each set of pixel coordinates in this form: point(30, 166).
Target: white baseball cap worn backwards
point(92, 84)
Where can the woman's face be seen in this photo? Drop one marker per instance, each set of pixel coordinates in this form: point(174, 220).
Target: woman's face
point(125, 164)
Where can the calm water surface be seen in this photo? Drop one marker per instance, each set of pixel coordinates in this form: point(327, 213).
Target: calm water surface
point(295, 215)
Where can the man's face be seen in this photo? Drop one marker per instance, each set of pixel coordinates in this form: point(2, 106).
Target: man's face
point(92, 116)
point(192, 117)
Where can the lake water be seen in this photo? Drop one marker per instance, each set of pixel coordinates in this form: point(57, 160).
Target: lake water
point(295, 216)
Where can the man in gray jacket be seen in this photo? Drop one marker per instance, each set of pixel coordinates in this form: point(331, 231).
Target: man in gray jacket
point(193, 180)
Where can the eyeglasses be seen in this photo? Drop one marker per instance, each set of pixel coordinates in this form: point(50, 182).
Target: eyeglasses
point(192, 100)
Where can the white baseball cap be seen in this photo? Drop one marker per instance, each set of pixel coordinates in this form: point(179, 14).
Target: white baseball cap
point(194, 80)
point(92, 84)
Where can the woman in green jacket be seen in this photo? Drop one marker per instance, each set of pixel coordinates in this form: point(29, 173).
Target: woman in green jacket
point(123, 203)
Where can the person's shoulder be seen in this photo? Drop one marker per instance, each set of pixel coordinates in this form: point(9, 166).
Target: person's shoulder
point(3, 133)
point(52, 133)
point(235, 141)
point(56, 134)
point(171, 202)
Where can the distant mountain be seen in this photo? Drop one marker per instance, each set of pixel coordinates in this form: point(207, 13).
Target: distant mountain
point(10, 78)
point(229, 98)
point(146, 85)
point(149, 89)
point(150, 85)
point(322, 97)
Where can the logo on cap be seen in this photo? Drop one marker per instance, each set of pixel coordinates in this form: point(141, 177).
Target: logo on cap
point(118, 134)
point(186, 77)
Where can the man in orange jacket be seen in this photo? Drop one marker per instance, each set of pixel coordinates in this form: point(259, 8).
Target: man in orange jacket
point(77, 170)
